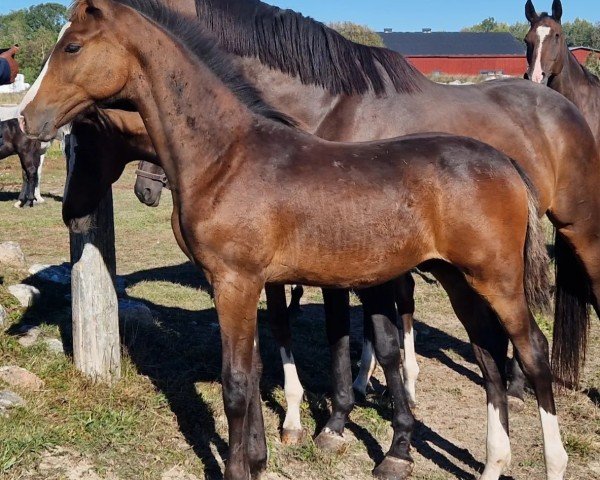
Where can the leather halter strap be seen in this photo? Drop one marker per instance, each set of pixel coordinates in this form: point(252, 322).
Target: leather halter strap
point(154, 176)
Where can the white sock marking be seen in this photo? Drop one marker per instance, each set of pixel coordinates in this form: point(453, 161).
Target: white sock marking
point(538, 74)
point(37, 194)
point(368, 363)
point(411, 367)
point(293, 392)
point(554, 452)
point(498, 446)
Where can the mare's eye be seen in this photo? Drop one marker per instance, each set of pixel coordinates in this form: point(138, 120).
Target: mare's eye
point(72, 48)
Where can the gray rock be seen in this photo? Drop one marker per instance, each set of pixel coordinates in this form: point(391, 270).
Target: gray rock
point(54, 345)
point(60, 274)
point(26, 294)
point(11, 255)
point(29, 337)
point(133, 312)
point(19, 377)
point(9, 400)
point(3, 317)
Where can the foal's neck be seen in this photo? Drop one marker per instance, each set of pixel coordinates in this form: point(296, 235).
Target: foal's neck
point(194, 120)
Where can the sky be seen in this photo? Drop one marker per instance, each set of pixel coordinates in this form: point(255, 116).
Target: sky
point(409, 15)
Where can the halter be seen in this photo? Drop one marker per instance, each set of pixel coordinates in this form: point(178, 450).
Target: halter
point(154, 176)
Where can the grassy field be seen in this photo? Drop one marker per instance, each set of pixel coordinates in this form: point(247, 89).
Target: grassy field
point(165, 419)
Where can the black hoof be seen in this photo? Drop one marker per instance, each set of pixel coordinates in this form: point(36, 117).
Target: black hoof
point(292, 437)
point(330, 442)
point(515, 404)
point(393, 468)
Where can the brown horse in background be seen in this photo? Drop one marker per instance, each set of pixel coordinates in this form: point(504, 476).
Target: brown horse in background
point(552, 63)
point(261, 202)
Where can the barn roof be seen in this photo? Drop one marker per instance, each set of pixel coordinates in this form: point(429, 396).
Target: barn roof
point(453, 44)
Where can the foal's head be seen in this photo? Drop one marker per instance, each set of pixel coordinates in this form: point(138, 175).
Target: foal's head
point(546, 46)
point(89, 63)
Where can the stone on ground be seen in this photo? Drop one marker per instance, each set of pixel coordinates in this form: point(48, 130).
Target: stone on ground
point(30, 336)
point(11, 255)
point(54, 345)
point(3, 317)
point(21, 378)
point(9, 400)
point(136, 313)
point(27, 295)
point(60, 274)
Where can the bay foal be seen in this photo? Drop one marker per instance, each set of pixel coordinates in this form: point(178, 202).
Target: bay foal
point(257, 203)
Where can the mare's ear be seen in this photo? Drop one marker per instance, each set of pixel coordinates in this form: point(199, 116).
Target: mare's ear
point(557, 10)
point(530, 12)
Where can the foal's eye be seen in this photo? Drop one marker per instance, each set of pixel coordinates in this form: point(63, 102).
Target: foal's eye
point(72, 48)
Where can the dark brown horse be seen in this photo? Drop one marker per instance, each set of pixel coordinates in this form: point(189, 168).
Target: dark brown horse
point(346, 92)
point(552, 63)
point(259, 202)
point(31, 155)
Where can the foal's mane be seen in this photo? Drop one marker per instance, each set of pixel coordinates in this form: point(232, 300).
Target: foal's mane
point(191, 34)
point(302, 47)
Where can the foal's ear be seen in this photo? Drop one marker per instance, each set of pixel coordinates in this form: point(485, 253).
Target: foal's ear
point(557, 10)
point(530, 12)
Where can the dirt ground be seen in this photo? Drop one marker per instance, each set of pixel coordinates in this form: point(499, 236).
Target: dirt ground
point(165, 420)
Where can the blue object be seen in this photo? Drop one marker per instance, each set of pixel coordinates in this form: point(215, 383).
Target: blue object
point(4, 72)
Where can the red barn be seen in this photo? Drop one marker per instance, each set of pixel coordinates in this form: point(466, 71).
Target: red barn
point(582, 53)
point(460, 53)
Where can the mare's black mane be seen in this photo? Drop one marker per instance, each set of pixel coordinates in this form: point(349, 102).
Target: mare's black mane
point(201, 44)
point(302, 47)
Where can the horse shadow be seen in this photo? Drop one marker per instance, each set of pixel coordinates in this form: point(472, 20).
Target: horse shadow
point(168, 350)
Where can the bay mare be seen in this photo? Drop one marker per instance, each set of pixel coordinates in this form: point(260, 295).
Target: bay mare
point(552, 63)
point(258, 201)
point(342, 91)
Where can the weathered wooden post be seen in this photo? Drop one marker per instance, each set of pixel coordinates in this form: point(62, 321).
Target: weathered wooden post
point(95, 308)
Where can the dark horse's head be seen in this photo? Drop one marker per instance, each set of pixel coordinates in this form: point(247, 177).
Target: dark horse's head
point(14, 142)
point(546, 46)
point(149, 183)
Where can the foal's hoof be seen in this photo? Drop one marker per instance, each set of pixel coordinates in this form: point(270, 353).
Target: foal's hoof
point(393, 468)
point(516, 404)
point(292, 437)
point(330, 442)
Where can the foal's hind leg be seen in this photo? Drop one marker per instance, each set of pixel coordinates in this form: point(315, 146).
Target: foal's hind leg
point(279, 322)
point(337, 313)
point(379, 304)
point(532, 348)
point(490, 345)
point(516, 386)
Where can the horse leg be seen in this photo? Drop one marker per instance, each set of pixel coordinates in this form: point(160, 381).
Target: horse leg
point(337, 314)
point(405, 302)
point(236, 300)
point(516, 385)
point(532, 349)
point(30, 173)
point(279, 322)
point(490, 345)
point(379, 304)
point(297, 293)
point(257, 442)
point(368, 363)
point(37, 192)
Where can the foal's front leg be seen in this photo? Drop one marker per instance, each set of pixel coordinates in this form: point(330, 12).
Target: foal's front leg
point(236, 299)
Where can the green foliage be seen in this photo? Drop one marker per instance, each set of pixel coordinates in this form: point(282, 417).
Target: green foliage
point(35, 29)
point(593, 64)
point(578, 32)
point(358, 33)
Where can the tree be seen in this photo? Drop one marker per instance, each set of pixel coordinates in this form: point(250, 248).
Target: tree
point(35, 30)
point(593, 64)
point(488, 25)
point(358, 33)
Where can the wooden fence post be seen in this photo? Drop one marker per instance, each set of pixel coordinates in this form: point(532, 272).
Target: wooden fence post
point(95, 307)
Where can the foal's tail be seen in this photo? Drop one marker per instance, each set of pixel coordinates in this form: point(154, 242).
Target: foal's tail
point(571, 314)
point(536, 278)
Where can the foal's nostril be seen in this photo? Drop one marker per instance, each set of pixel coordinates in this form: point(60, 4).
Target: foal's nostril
point(147, 195)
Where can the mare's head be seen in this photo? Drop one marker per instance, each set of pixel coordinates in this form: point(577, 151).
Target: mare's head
point(89, 63)
point(546, 45)
point(149, 183)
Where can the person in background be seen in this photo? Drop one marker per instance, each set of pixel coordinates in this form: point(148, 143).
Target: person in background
point(8, 66)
